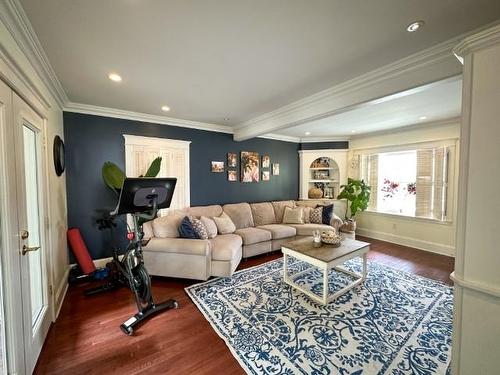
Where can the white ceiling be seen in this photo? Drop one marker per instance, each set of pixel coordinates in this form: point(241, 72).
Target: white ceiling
point(210, 60)
point(438, 101)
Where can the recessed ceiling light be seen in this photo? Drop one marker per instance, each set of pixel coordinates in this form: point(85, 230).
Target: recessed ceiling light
point(226, 118)
point(414, 26)
point(353, 131)
point(165, 108)
point(114, 77)
point(423, 118)
point(307, 133)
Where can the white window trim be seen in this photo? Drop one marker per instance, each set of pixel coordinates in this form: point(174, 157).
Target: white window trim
point(135, 140)
point(452, 181)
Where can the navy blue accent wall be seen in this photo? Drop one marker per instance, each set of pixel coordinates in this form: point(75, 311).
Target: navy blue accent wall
point(325, 145)
point(92, 140)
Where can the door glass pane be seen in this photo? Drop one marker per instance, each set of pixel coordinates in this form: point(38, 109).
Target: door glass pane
point(33, 219)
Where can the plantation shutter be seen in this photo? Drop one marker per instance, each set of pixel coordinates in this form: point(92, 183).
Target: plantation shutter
point(369, 173)
point(432, 180)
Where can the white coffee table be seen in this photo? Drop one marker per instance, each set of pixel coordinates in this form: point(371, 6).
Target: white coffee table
point(325, 258)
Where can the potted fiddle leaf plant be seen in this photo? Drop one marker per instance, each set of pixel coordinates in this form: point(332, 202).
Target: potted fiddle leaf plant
point(357, 194)
point(113, 176)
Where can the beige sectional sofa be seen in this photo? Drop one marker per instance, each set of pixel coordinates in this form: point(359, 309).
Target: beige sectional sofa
point(259, 230)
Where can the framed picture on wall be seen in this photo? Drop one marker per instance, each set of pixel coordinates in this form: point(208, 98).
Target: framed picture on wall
point(249, 166)
point(232, 176)
point(232, 160)
point(265, 175)
point(217, 166)
point(276, 169)
point(266, 161)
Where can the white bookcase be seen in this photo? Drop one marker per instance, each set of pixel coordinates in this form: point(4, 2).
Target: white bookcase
point(326, 169)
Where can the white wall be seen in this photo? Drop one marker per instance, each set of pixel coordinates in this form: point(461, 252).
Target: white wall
point(414, 232)
point(476, 340)
point(17, 72)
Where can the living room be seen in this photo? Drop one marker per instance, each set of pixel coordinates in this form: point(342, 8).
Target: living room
point(296, 187)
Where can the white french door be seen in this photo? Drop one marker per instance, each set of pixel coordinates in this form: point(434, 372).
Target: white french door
point(24, 251)
point(31, 212)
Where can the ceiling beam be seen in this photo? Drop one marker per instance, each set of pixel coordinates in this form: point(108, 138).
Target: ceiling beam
point(425, 67)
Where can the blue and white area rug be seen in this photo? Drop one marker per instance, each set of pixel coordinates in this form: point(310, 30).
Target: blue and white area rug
point(395, 323)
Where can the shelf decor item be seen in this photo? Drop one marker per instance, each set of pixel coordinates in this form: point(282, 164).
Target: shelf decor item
point(315, 193)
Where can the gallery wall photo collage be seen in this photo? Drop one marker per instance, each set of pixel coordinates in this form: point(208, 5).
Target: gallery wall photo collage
point(253, 167)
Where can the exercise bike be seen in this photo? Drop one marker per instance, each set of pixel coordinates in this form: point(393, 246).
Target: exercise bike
point(142, 198)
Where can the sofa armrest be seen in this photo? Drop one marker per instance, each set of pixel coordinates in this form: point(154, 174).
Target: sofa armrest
point(179, 245)
point(336, 222)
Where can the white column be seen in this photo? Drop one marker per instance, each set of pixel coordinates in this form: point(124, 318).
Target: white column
point(476, 326)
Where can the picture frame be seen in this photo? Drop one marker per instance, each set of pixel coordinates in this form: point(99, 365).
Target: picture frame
point(232, 176)
point(232, 160)
point(276, 169)
point(217, 166)
point(266, 161)
point(266, 175)
point(249, 166)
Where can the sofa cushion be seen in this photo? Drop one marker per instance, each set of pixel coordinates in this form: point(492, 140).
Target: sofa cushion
point(263, 213)
point(253, 235)
point(279, 209)
point(306, 214)
point(225, 247)
point(210, 225)
point(186, 229)
point(317, 215)
point(199, 228)
point(178, 246)
point(167, 226)
point(209, 211)
point(240, 214)
point(327, 213)
point(293, 215)
point(279, 231)
point(306, 229)
point(224, 224)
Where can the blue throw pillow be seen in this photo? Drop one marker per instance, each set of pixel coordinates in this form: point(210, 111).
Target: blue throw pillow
point(327, 213)
point(186, 229)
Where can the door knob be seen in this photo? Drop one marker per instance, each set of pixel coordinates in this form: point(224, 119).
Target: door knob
point(25, 234)
point(28, 249)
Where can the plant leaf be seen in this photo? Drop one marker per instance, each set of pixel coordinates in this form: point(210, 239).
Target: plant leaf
point(112, 175)
point(154, 168)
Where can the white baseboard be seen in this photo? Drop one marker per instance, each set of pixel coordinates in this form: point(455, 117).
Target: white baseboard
point(62, 288)
point(432, 247)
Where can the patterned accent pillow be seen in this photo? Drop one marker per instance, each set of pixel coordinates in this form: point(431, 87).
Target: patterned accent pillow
point(317, 215)
point(327, 214)
point(199, 228)
point(210, 225)
point(186, 229)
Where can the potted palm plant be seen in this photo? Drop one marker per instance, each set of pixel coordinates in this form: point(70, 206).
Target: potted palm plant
point(113, 176)
point(357, 194)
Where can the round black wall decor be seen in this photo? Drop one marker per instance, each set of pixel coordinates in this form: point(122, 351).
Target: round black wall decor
point(59, 161)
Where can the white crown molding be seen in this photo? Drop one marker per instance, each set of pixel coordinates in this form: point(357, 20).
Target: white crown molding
point(279, 137)
point(481, 40)
point(423, 125)
point(144, 117)
point(15, 19)
point(324, 139)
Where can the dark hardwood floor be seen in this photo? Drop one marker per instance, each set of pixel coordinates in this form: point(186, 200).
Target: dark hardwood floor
point(86, 337)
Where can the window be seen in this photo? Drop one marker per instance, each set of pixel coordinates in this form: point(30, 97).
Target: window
point(411, 181)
